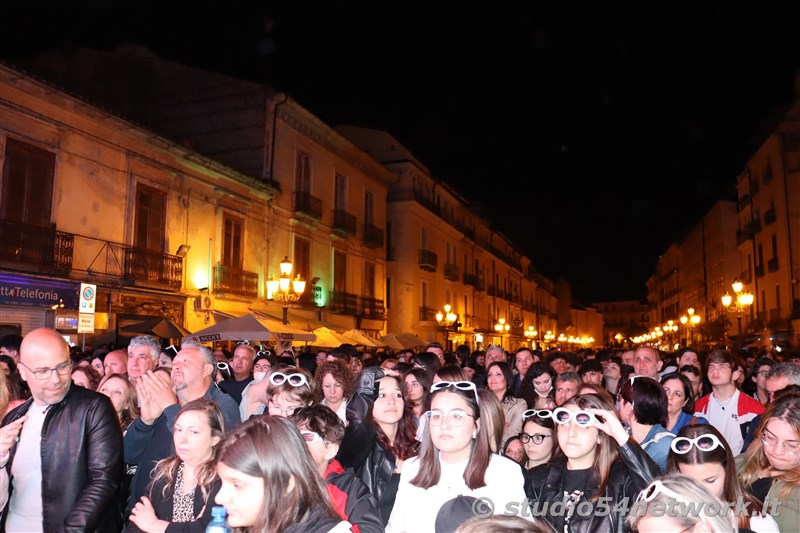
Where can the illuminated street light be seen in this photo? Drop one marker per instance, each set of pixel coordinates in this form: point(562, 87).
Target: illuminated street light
point(285, 289)
point(448, 319)
point(744, 299)
point(531, 335)
point(502, 328)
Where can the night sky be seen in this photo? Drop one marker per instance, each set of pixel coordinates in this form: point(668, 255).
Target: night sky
point(592, 135)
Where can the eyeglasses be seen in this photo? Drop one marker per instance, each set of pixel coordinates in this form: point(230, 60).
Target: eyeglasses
point(706, 443)
point(310, 436)
point(536, 438)
point(769, 439)
point(657, 487)
point(460, 385)
point(541, 413)
point(295, 380)
point(262, 368)
point(275, 409)
point(584, 419)
point(455, 417)
point(64, 369)
point(763, 373)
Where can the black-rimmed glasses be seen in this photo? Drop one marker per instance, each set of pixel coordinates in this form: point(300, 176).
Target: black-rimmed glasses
point(536, 438)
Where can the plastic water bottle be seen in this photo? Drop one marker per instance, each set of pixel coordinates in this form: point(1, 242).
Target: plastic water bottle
point(218, 524)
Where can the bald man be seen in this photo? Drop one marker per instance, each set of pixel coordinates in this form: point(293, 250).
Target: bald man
point(116, 362)
point(65, 465)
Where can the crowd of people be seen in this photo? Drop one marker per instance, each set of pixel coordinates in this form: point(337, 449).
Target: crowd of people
point(143, 438)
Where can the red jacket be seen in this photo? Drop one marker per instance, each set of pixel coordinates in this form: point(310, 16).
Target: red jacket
point(352, 499)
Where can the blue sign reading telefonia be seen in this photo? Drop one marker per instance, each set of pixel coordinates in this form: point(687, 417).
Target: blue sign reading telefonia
point(23, 291)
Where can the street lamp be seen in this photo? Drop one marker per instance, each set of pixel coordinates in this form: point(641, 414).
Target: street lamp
point(447, 320)
point(549, 337)
point(744, 299)
point(502, 328)
point(285, 289)
point(531, 335)
point(690, 322)
point(670, 328)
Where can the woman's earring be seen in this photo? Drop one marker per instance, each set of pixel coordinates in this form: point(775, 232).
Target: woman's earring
point(474, 434)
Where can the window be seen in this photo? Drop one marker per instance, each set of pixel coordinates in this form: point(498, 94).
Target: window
point(423, 239)
point(423, 293)
point(340, 193)
point(369, 279)
point(27, 186)
point(339, 271)
point(774, 246)
point(778, 297)
point(388, 293)
point(232, 242)
point(303, 173)
point(369, 209)
point(151, 211)
point(302, 257)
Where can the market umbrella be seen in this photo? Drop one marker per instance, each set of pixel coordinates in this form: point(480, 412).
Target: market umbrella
point(392, 340)
point(360, 338)
point(160, 327)
point(327, 338)
point(412, 340)
point(248, 327)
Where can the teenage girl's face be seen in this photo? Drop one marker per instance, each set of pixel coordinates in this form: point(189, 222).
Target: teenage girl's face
point(710, 475)
point(578, 444)
point(543, 384)
point(388, 407)
point(676, 398)
point(778, 454)
point(453, 438)
point(413, 389)
point(539, 453)
point(241, 494)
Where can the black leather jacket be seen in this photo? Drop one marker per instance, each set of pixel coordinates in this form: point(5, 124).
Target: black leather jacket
point(628, 476)
point(81, 452)
point(360, 450)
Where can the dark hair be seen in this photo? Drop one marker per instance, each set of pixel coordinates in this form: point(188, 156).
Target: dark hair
point(8, 360)
point(271, 448)
point(308, 361)
point(422, 378)
point(507, 375)
point(405, 443)
point(688, 393)
point(429, 466)
point(11, 342)
point(508, 441)
point(429, 361)
point(733, 489)
point(340, 354)
point(591, 365)
point(648, 398)
point(721, 356)
point(321, 420)
point(92, 375)
point(451, 373)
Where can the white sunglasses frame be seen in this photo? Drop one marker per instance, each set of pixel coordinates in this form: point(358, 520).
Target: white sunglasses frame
point(572, 416)
point(460, 385)
point(287, 378)
point(693, 443)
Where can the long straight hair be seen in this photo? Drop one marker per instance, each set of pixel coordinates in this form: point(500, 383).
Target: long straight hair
point(787, 408)
point(272, 449)
point(479, 457)
point(732, 490)
point(607, 451)
point(405, 443)
point(206, 472)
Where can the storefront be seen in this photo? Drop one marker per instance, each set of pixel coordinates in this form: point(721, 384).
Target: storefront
point(28, 302)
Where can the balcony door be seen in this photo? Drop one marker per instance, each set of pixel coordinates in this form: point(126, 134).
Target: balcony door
point(150, 220)
point(27, 184)
point(232, 237)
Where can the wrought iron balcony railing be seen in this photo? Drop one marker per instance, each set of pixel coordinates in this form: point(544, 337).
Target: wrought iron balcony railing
point(230, 280)
point(343, 303)
point(372, 308)
point(428, 260)
point(426, 314)
point(310, 205)
point(36, 248)
point(373, 236)
point(344, 222)
point(451, 272)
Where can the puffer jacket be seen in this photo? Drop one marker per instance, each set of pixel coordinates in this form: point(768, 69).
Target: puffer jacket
point(352, 499)
point(81, 450)
point(360, 449)
point(629, 475)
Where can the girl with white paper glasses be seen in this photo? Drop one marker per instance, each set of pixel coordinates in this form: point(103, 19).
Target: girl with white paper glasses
point(538, 437)
point(601, 467)
point(289, 389)
point(455, 459)
point(671, 492)
point(702, 453)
